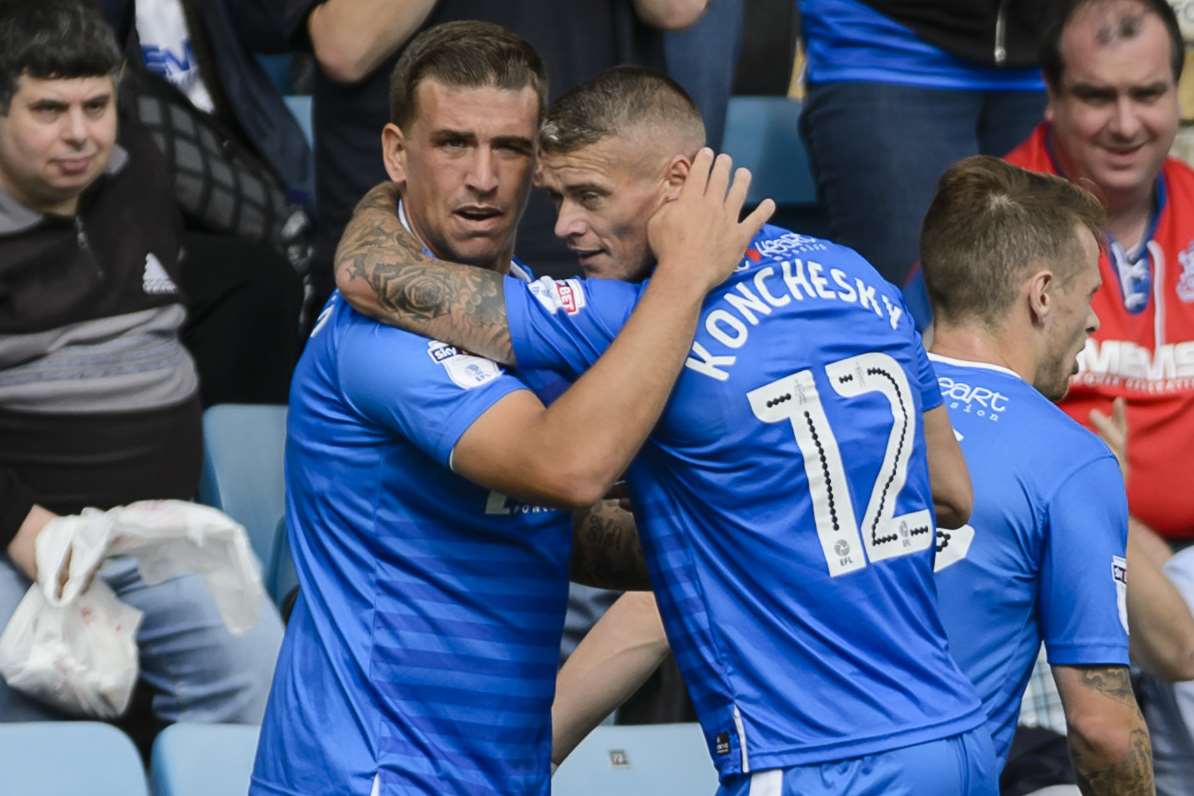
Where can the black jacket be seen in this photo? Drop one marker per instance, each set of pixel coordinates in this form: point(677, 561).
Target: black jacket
point(988, 32)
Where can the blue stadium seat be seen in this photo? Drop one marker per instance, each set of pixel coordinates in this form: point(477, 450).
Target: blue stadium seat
point(763, 134)
point(242, 470)
point(67, 758)
point(644, 760)
point(203, 760)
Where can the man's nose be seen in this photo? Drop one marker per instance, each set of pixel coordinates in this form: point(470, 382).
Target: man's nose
point(75, 127)
point(569, 223)
point(1125, 123)
point(482, 174)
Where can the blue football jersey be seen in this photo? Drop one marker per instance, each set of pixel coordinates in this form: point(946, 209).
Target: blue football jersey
point(784, 503)
point(1042, 557)
point(422, 650)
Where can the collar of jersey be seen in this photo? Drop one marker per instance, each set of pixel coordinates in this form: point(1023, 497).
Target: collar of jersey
point(517, 269)
point(966, 363)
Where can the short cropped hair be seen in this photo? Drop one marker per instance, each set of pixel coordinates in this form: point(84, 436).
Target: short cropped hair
point(615, 101)
point(50, 39)
point(989, 224)
point(1126, 27)
point(465, 54)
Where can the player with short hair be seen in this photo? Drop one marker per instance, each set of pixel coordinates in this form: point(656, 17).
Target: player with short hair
point(1011, 263)
point(421, 654)
point(785, 496)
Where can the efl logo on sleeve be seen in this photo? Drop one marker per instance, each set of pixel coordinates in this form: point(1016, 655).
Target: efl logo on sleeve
point(465, 370)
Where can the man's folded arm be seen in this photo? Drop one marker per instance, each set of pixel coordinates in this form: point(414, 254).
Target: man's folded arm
point(616, 657)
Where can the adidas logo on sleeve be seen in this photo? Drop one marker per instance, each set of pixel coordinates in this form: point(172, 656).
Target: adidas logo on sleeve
point(155, 280)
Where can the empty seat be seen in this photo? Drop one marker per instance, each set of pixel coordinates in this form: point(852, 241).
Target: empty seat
point(204, 759)
point(68, 758)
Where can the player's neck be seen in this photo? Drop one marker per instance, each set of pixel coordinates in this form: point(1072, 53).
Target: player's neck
point(973, 342)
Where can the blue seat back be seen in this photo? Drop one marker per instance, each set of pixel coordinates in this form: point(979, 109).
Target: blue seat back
point(203, 759)
point(67, 758)
point(644, 760)
point(243, 448)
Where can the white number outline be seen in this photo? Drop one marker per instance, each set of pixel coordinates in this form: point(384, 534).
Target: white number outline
point(795, 398)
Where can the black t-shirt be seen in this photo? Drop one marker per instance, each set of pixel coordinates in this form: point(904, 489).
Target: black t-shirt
point(575, 39)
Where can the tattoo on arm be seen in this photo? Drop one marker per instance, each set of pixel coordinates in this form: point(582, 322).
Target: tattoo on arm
point(1110, 681)
point(1132, 773)
point(403, 286)
point(606, 551)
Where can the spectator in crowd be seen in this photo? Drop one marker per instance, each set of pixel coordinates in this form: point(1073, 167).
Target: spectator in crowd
point(356, 45)
point(422, 470)
point(241, 169)
point(898, 91)
point(1112, 68)
point(99, 399)
point(839, 677)
point(1011, 263)
point(194, 45)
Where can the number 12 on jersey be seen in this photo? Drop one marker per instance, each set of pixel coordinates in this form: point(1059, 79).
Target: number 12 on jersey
point(794, 398)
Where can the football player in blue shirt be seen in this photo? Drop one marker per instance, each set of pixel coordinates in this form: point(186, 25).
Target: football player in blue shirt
point(422, 652)
point(785, 497)
point(1011, 263)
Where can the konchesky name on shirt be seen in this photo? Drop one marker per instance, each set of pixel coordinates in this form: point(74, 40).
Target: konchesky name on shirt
point(1127, 364)
point(729, 319)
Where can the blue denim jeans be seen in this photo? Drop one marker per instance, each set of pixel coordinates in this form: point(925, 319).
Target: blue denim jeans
point(198, 670)
point(877, 150)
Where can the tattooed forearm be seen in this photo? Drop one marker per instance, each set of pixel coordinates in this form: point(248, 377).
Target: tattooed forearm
point(1109, 742)
point(1131, 775)
point(1110, 681)
point(383, 271)
point(606, 552)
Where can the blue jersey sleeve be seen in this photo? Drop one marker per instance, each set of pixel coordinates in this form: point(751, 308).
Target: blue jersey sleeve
point(930, 390)
point(1082, 600)
point(565, 325)
point(427, 391)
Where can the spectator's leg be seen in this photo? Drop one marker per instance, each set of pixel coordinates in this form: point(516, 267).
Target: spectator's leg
point(243, 301)
point(1008, 118)
point(197, 668)
point(702, 59)
point(15, 706)
point(877, 151)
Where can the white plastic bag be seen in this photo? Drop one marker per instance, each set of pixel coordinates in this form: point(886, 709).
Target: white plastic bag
point(81, 657)
point(72, 643)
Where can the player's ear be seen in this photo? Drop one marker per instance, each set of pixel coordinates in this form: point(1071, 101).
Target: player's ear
point(1039, 295)
point(393, 152)
point(674, 176)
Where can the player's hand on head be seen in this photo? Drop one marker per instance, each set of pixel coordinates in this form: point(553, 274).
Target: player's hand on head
point(699, 232)
point(1113, 429)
